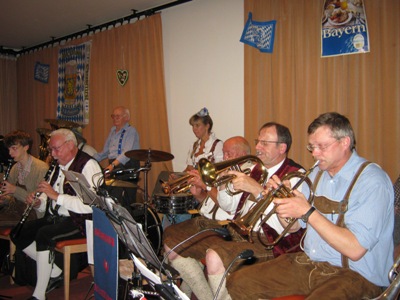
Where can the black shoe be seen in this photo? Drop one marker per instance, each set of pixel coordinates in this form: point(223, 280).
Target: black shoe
point(54, 283)
point(32, 298)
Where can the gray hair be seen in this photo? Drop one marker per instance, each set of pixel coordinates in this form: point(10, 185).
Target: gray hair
point(66, 133)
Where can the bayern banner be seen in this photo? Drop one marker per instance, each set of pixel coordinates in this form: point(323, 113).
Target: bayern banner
point(73, 83)
point(344, 28)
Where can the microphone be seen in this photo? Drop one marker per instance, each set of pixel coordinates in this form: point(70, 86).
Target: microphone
point(245, 254)
point(167, 286)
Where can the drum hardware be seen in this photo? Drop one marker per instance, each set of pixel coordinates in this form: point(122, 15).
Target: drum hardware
point(174, 204)
point(148, 156)
point(120, 183)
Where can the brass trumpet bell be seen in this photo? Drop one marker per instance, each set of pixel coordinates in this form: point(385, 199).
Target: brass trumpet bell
point(177, 186)
point(212, 174)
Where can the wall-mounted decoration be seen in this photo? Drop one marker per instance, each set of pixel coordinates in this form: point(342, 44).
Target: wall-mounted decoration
point(122, 76)
point(42, 72)
point(260, 35)
point(73, 83)
point(344, 28)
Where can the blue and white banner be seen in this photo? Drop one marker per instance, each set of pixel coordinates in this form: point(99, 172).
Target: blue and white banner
point(73, 83)
point(344, 28)
point(42, 72)
point(260, 35)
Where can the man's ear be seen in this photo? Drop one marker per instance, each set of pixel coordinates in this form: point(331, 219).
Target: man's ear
point(282, 147)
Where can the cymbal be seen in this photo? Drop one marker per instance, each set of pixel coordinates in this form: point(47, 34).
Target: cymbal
point(149, 155)
point(120, 183)
point(57, 123)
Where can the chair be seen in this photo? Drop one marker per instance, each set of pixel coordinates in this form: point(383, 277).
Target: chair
point(5, 235)
point(67, 248)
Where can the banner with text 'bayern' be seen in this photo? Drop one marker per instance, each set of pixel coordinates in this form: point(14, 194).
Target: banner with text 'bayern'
point(344, 28)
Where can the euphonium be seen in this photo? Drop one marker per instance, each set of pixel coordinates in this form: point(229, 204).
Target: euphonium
point(245, 225)
point(212, 174)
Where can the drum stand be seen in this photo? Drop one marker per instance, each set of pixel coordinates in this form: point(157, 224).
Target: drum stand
point(146, 168)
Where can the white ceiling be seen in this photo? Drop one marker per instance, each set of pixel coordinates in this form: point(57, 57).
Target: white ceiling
point(27, 23)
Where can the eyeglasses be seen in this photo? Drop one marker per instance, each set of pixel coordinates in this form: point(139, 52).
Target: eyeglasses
point(321, 148)
point(117, 116)
point(265, 143)
point(56, 149)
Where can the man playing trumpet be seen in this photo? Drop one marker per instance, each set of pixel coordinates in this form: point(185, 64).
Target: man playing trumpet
point(273, 144)
point(272, 147)
point(348, 247)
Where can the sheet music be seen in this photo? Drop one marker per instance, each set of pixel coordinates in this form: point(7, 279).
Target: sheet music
point(81, 186)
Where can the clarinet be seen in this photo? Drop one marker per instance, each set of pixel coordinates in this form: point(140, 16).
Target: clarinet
point(17, 229)
point(7, 173)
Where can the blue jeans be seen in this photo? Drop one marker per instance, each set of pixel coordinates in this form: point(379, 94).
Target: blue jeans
point(169, 219)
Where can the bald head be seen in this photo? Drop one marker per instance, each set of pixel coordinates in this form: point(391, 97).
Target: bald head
point(236, 146)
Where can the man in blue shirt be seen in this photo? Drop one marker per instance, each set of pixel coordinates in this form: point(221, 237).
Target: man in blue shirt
point(122, 138)
point(348, 247)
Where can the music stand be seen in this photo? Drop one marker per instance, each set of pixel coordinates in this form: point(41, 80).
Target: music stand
point(81, 187)
point(132, 235)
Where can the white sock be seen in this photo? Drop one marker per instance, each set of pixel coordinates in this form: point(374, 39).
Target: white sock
point(214, 282)
point(43, 270)
point(193, 275)
point(55, 271)
point(31, 250)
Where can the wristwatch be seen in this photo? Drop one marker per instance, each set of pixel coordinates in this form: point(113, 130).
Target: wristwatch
point(305, 217)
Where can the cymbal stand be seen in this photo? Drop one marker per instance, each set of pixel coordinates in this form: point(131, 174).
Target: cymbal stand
point(145, 169)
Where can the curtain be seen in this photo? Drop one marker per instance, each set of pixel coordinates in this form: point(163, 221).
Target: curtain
point(294, 84)
point(136, 48)
point(8, 94)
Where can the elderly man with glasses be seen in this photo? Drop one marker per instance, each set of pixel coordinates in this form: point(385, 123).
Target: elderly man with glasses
point(65, 212)
point(122, 138)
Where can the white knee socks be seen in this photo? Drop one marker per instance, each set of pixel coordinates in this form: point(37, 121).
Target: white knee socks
point(43, 271)
point(192, 273)
point(214, 282)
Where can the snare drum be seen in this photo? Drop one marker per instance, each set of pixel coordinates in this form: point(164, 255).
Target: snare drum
point(174, 204)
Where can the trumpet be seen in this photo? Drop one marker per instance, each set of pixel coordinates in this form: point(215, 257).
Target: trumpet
point(177, 186)
point(17, 229)
point(7, 172)
point(245, 225)
point(212, 174)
